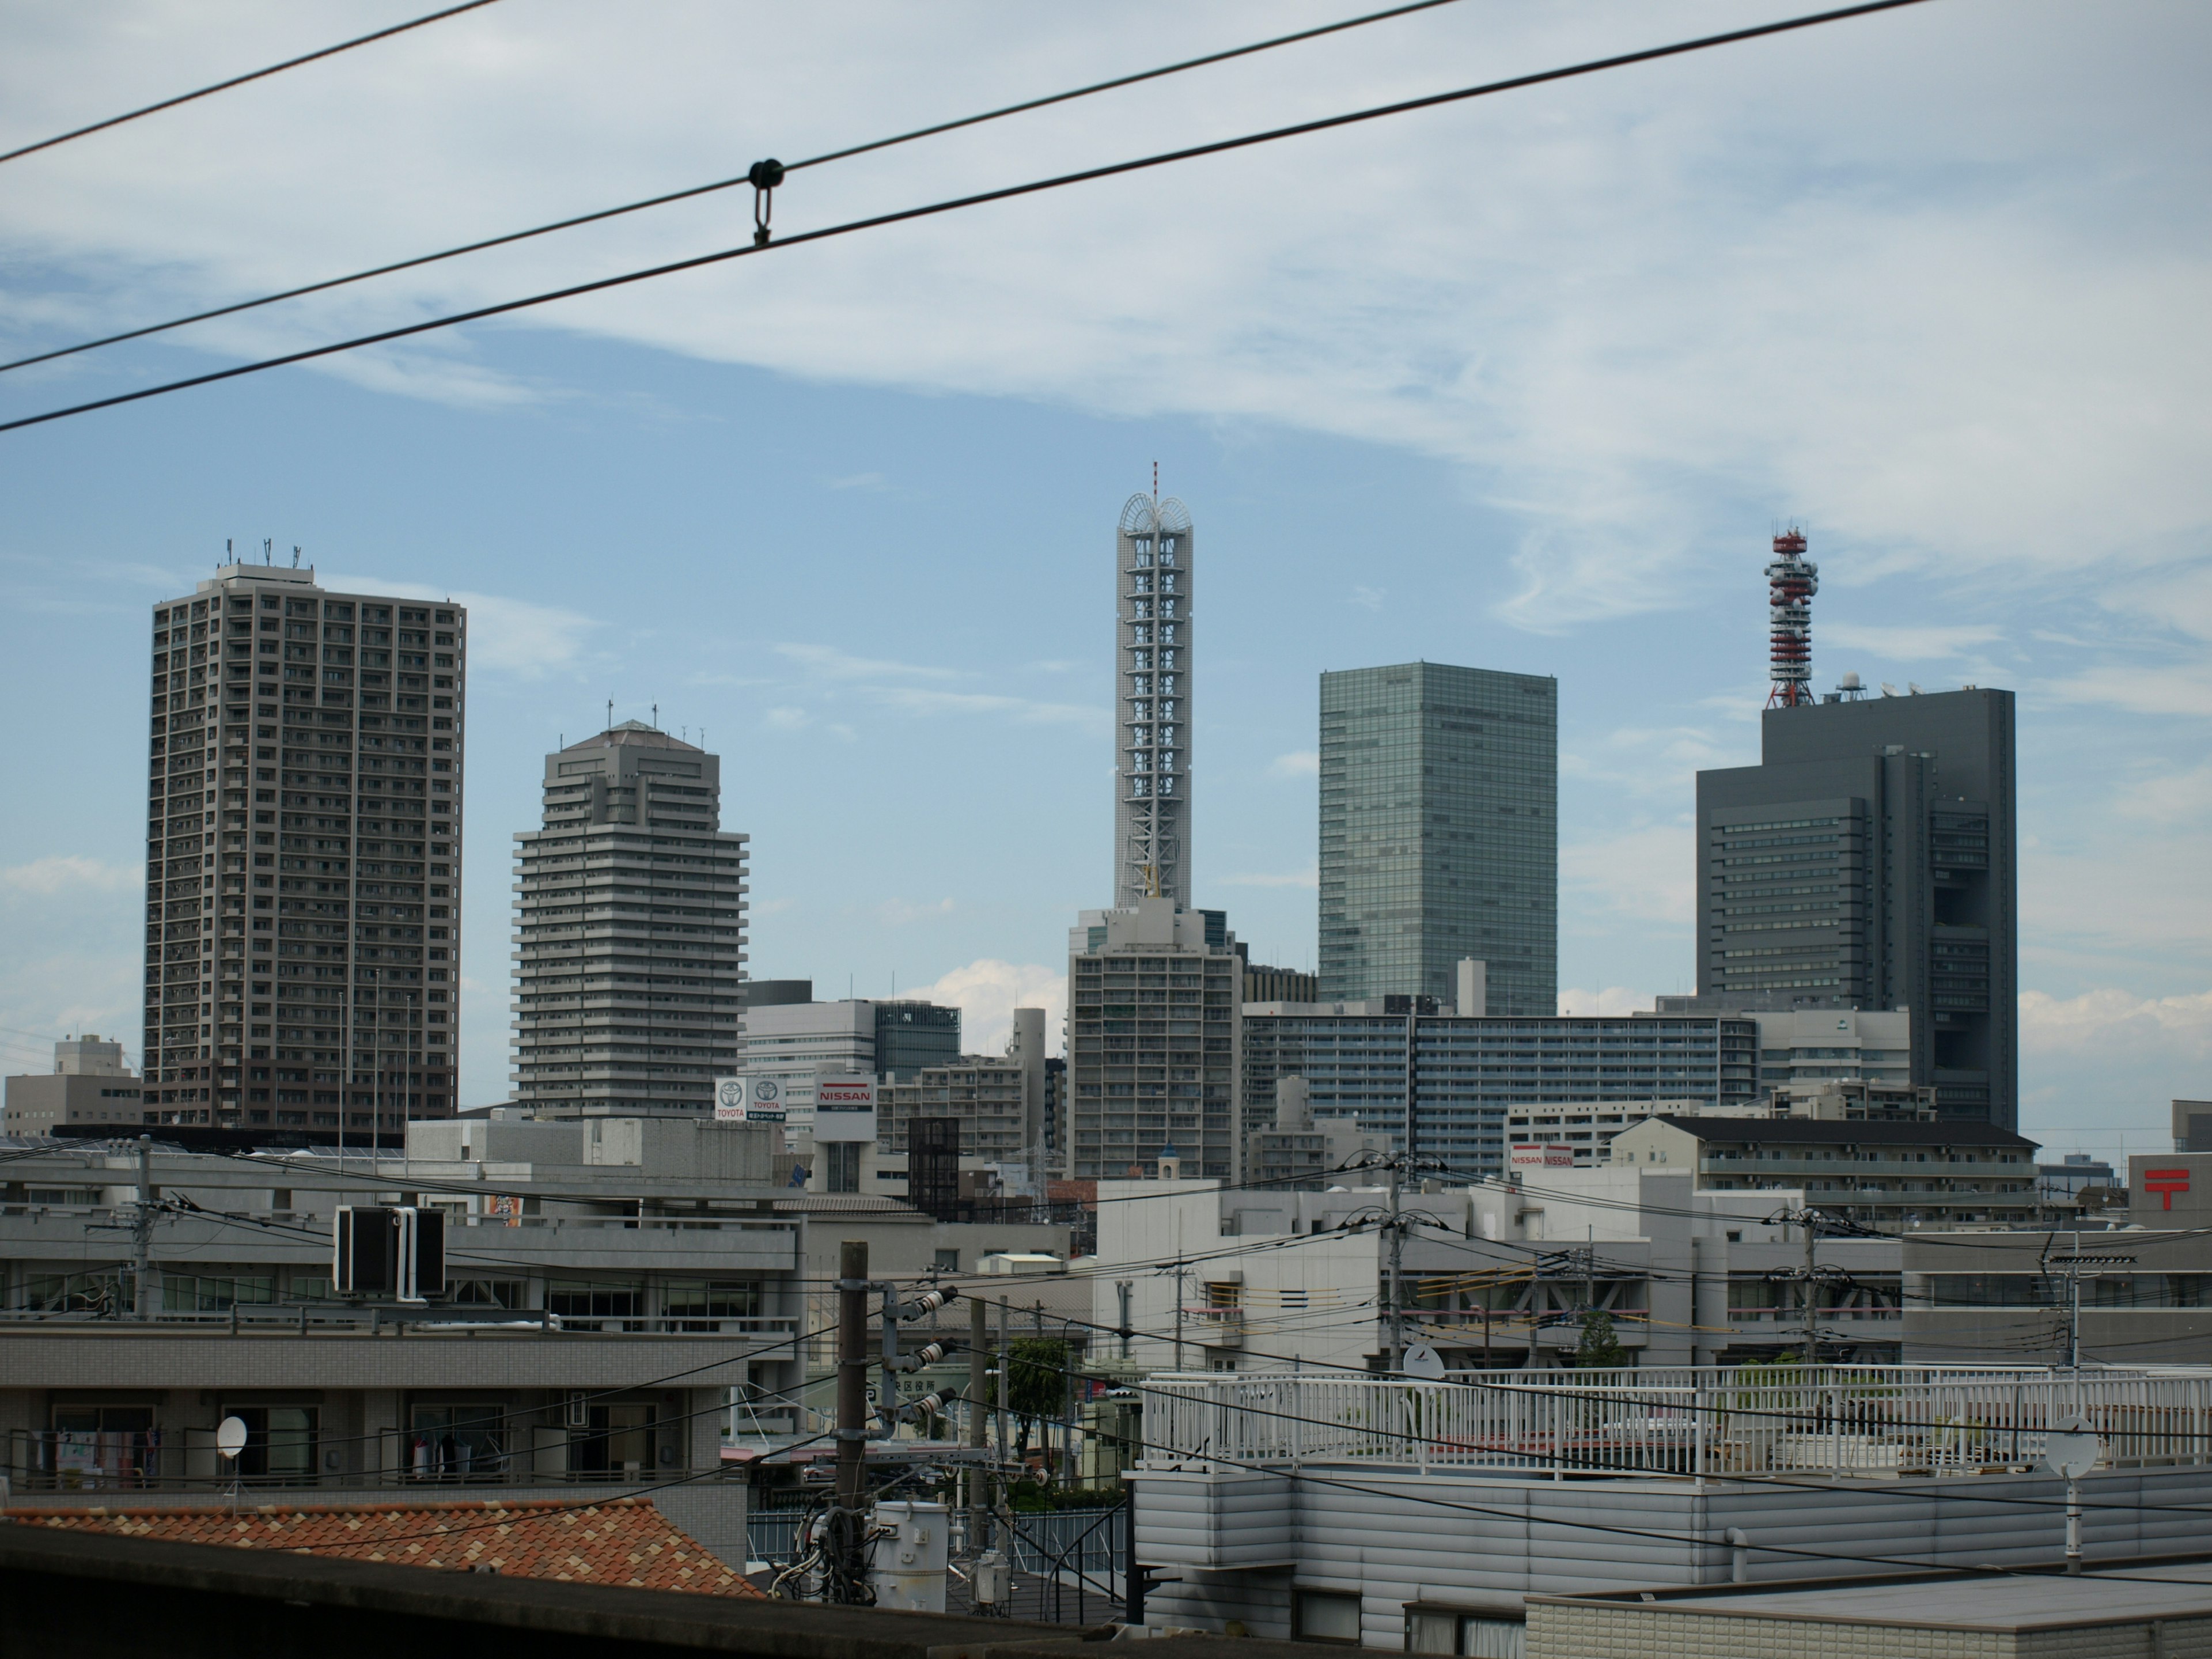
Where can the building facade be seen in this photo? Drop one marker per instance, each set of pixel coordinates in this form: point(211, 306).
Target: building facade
point(303, 857)
point(1869, 860)
point(1154, 569)
point(1440, 833)
point(1154, 1045)
point(999, 1101)
point(629, 929)
point(89, 1088)
point(1447, 1082)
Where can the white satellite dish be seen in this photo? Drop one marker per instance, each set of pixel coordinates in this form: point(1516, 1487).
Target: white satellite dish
point(230, 1436)
point(2071, 1449)
point(1423, 1361)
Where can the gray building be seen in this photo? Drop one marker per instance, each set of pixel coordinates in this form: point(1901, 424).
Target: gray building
point(629, 929)
point(1448, 1081)
point(1153, 570)
point(1440, 833)
point(303, 856)
point(89, 1087)
point(1869, 859)
point(1154, 1025)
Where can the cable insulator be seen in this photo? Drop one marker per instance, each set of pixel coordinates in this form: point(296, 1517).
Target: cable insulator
point(764, 177)
point(929, 1302)
point(928, 1354)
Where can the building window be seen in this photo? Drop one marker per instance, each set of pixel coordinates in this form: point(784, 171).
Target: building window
point(1325, 1616)
point(947, 1262)
point(1474, 1634)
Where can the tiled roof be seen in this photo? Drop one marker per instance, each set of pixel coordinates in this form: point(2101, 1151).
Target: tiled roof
point(620, 1541)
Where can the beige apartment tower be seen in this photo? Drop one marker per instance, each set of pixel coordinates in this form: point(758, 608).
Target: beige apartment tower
point(303, 858)
point(629, 942)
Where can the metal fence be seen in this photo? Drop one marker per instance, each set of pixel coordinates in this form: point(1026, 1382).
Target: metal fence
point(1845, 1420)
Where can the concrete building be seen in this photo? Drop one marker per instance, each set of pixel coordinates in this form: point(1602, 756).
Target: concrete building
point(1265, 984)
point(1155, 1041)
point(2192, 1126)
point(629, 919)
point(1155, 567)
point(798, 1040)
point(1459, 1076)
point(1440, 833)
point(613, 1289)
point(303, 901)
point(2063, 1183)
point(89, 1088)
point(1870, 858)
point(1300, 1150)
point(1883, 1174)
point(1584, 1130)
point(998, 1100)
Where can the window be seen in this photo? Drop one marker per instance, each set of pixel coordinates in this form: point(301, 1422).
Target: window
point(280, 1442)
point(579, 1300)
point(700, 1301)
point(214, 1292)
point(947, 1262)
point(1475, 1635)
point(1325, 1616)
point(488, 1292)
point(457, 1443)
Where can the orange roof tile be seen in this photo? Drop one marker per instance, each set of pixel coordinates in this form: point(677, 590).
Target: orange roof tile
point(618, 1540)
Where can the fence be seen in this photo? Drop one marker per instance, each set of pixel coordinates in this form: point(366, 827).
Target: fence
point(1846, 1420)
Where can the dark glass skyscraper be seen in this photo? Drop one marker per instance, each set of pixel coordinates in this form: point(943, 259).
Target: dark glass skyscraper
point(1869, 860)
point(1439, 834)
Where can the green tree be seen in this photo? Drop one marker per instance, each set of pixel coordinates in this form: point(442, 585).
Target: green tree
point(1600, 1350)
point(1036, 1385)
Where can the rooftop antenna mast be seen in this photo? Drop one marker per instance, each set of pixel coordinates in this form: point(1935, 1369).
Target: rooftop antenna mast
point(1791, 580)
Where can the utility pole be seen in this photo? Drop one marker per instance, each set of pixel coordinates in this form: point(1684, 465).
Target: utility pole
point(1178, 1325)
point(141, 1234)
point(1121, 1288)
point(1397, 1318)
point(979, 1340)
point(1006, 1377)
point(1811, 1219)
point(852, 1371)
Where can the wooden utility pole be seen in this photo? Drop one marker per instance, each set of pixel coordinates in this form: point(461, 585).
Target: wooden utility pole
point(852, 1371)
point(979, 1502)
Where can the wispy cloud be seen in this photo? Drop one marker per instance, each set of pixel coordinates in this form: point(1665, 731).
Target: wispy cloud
point(1612, 1002)
point(506, 635)
point(1909, 644)
point(873, 482)
point(63, 873)
point(1298, 763)
point(1367, 598)
point(900, 913)
point(1645, 873)
point(828, 662)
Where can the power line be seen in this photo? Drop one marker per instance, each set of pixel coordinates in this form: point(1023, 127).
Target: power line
point(745, 178)
point(240, 80)
point(954, 205)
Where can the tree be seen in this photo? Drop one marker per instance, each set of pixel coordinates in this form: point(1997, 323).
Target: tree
point(1600, 1350)
point(1036, 1384)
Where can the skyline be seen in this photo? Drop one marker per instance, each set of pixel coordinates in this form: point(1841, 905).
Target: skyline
point(1544, 413)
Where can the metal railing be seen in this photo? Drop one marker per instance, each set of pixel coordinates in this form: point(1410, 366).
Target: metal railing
point(306, 1319)
point(1843, 1420)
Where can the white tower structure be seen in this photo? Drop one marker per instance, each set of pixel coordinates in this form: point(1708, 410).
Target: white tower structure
point(1154, 567)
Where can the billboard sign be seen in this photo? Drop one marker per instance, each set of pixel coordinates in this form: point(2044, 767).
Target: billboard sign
point(749, 1100)
point(1541, 1158)
point(845, 1107)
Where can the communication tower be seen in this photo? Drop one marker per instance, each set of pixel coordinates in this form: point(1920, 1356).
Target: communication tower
point(1791, 580)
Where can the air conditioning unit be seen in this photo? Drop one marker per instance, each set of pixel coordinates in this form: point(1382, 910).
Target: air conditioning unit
point(394, 1250)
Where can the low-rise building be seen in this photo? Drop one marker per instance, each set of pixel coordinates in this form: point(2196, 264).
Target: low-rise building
point(1584, 1130)
point(1298, 1150)
point(1887, 1175)
point(90, 1090)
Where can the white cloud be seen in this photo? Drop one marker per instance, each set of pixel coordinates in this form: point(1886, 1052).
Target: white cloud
point(1310, 876)
point(1298, 763)
point(2171, 797)
point(1613, 1000)
point(62, 872)
point(2140, 688)
point(918, 700)
point(828, 663)
point(1909, 644)
point(988, 991)
point(1367, 598)
point(785, 719)
point(2116, 1023)
point(1648, 874)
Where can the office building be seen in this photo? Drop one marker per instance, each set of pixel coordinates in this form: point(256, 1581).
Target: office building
point(2192, 1126)
point(1265, 984)
point(90, 1090)
point(630, 918)
point(303, 858)
point(1446, 1082)
point(796, 1039)
point(999, 1102)
point(1154, 568)
point(1439, 834)
point(1154, 1042)
point(1867, 862)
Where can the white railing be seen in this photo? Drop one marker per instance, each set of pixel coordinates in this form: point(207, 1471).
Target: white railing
point(1847, 1421)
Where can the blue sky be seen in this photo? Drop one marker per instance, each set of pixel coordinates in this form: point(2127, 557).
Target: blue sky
point(1525, 385)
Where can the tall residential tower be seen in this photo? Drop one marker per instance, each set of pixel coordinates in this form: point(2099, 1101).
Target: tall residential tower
point(303, 860)
point(1440, 835)
point(629, 929)
point(1153, 570)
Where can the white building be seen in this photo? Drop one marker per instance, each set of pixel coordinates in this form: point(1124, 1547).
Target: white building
point(1154, 570)
point(1584, 1129)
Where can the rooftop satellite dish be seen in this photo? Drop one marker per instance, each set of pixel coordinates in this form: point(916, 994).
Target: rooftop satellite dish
point(1423, 1361)
point(230, 1436)
point(2071, 1449)
point(1887, 690)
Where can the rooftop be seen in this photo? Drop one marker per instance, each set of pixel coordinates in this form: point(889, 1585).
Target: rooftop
point(1860, 1132)
point(634, 731)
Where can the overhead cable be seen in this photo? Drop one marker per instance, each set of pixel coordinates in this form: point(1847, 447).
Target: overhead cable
point(956, 203)
point(745, 178)
point(240, 80)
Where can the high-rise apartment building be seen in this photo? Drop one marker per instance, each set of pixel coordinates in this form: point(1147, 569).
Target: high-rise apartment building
point(303, 867)
point(1440, 835)
point(629, 929)
point(1153, 568)
point(1868, 861)
point(1155, 1019)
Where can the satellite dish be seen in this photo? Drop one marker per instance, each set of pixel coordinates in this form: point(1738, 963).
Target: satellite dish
point(230, 1436)
point(2071, 1449)
point(1423, 1361)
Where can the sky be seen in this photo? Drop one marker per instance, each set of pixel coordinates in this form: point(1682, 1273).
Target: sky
point(1526, 383)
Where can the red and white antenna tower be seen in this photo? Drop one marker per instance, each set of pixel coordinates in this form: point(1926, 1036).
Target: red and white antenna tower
point(1792, 582)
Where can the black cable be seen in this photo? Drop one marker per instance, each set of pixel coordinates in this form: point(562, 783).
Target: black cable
point(240, 80)
point(720, 185)
point(1005, 194)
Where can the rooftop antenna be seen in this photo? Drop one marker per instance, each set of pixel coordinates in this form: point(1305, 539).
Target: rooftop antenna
point(611, 713)
point(656, 717)
point(267, 542)
point(1791, 580)
point(1156, 483)
point(295, 558)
